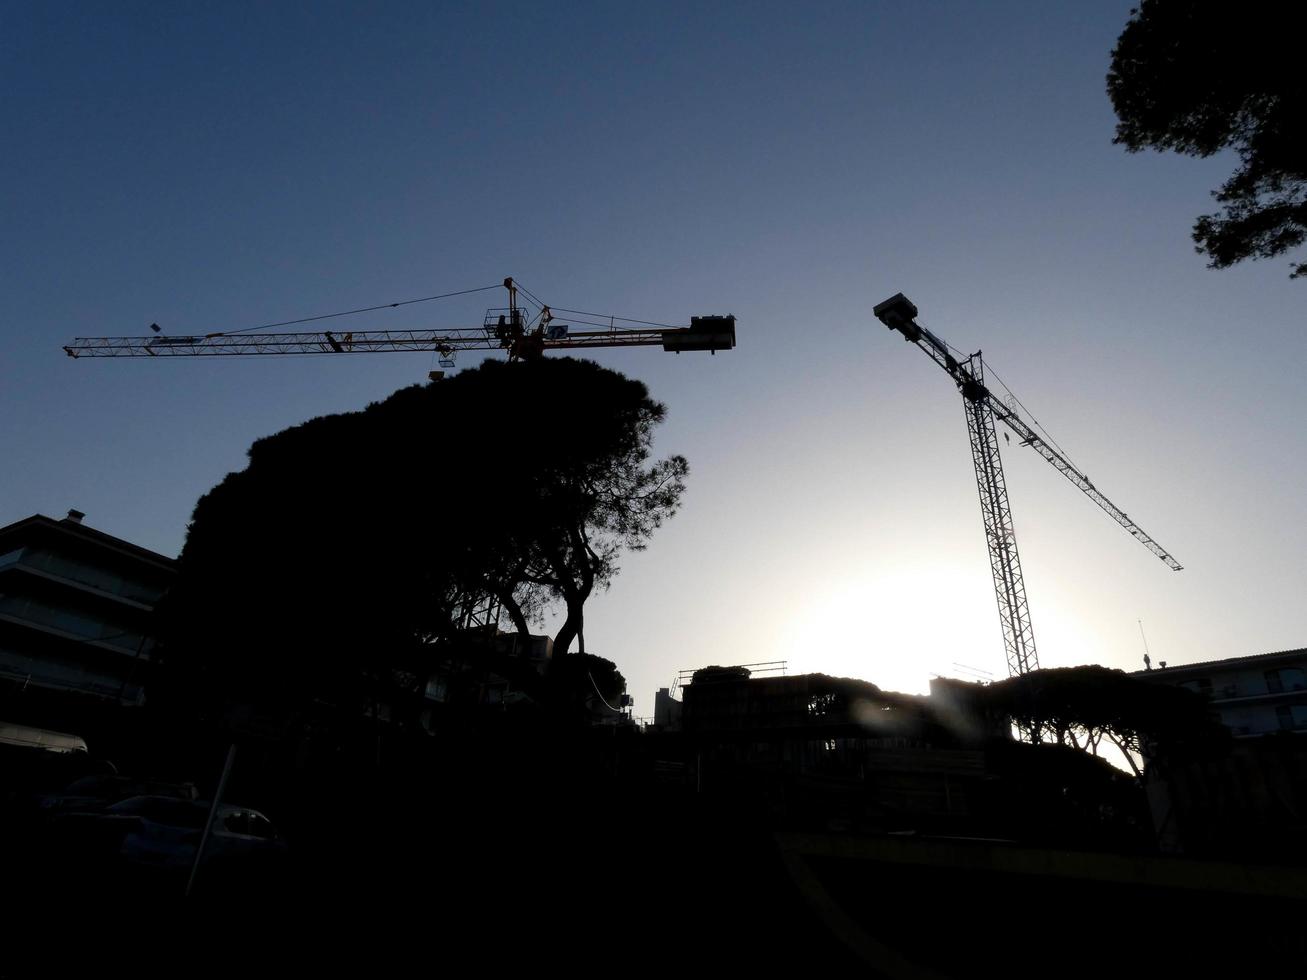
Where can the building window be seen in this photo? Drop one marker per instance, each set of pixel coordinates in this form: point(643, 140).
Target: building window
point(11, 557)
point(1291, 716)
point(1286, 679)
point(85, 625)
point(86, 572)
point(820, 705)
point(1199, 685)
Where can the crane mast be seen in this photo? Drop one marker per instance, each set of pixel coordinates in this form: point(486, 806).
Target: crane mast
point(1004, 561)
point(982, 408)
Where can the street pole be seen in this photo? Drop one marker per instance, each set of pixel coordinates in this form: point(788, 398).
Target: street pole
point(213, 812)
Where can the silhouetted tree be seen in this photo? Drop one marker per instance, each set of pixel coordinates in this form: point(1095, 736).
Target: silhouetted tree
point(1084, 706)
point(1198, 78)
point(350, 542)
point(1060, 796)
point(586, 489)
point(577, 678)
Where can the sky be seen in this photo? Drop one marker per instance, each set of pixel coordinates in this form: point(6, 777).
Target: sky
point(220, 166)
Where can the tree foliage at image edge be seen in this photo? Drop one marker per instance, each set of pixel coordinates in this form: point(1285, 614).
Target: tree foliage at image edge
point(1198, 78)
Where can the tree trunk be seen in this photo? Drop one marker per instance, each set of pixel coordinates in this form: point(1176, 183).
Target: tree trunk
point(1128, 757)
point(514, 613)
point(574, 594)
point(571, 626)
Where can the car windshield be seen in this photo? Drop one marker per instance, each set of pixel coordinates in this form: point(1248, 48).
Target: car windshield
point(90, 785)
point(173, 813)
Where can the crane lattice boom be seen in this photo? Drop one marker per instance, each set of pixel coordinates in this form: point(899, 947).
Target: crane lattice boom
point(508, 329)
point(505, 329)
point(377, 341)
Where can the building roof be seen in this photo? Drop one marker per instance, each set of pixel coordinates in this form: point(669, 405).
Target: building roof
point(88, 534)
point(1203, 666)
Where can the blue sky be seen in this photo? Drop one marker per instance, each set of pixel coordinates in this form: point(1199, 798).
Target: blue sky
point(218, 166)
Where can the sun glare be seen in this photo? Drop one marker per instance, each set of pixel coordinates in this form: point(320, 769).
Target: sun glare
point(897, 629)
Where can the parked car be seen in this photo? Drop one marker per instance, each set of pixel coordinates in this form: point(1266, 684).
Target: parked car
point(153, 838)
point(98, 792)
point(164, 832)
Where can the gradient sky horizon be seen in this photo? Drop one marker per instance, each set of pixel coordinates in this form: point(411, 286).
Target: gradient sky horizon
point(213, 167)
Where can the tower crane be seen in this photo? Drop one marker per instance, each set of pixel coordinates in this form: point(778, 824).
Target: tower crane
point(523, 334)
point(514, 329)
point(982, 408)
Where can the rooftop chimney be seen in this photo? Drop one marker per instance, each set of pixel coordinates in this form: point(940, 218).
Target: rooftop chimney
point(74, 517)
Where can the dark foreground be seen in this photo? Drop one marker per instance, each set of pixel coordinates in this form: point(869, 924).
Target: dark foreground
point(534, 855)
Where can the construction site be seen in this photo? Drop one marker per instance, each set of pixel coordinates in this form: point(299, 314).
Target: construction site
point(810, 819)
point(372, 610)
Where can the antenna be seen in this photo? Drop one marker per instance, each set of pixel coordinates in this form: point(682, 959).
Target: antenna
point(1148, 661)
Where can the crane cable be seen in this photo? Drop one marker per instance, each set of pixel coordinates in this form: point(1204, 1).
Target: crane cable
point(960, 356)
point(624, 319)
point(541, 305)
point(603, 316)
point(365, 309)
point(1048, 438)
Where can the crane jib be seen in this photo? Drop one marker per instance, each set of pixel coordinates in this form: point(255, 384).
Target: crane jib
point(513, 329)
point(899, 313)
point(706, 333)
